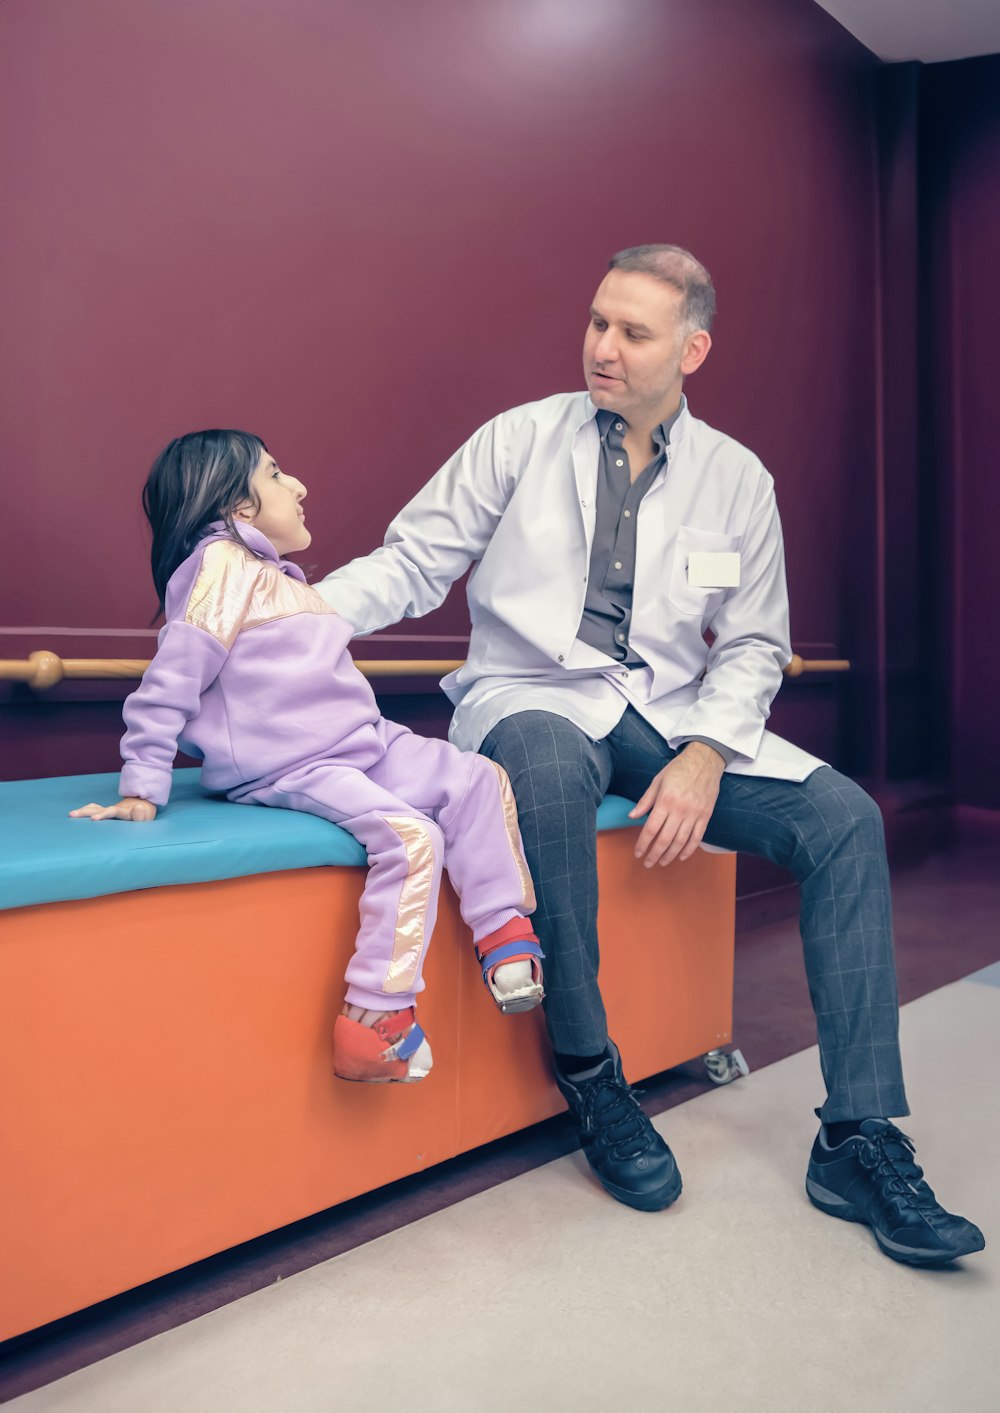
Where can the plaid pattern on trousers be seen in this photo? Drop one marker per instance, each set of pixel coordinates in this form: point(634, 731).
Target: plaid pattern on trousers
point(825, 829)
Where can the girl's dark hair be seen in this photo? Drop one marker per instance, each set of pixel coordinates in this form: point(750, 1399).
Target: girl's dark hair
point(196, 480)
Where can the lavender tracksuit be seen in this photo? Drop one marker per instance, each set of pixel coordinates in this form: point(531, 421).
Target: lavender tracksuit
point(252, 674)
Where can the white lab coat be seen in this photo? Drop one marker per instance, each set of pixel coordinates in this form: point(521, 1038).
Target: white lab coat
point(519, 497)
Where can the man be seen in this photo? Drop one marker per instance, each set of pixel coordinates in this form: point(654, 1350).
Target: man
point(611, 530)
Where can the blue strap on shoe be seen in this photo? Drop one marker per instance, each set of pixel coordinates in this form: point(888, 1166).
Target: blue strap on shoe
point(525, 948)
point(411, 1042)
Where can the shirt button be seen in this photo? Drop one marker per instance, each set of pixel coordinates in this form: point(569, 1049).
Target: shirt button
point(618, 564)
point(619, 462)
point(618, 426)
point(621, 639)
point(628, 515)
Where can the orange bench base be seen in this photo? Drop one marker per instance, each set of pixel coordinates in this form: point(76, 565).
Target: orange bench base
point(166, 1088)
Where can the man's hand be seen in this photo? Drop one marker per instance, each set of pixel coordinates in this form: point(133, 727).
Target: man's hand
point(139, 811)
point(679, 802)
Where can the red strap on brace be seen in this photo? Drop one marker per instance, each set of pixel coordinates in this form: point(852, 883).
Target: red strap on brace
point(517, 930)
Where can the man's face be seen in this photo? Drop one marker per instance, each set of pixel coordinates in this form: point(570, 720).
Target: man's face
point(635, 352)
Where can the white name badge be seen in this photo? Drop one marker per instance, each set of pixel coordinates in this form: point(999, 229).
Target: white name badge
point(714, 569)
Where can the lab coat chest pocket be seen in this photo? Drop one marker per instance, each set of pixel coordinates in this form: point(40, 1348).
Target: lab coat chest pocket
point(696, 599)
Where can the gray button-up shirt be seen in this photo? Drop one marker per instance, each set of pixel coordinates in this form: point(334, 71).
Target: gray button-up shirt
point(607, 608)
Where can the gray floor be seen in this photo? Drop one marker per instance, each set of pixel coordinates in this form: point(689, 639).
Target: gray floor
point(543, 1295)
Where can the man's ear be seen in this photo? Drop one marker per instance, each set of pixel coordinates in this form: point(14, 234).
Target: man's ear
point(696, 349)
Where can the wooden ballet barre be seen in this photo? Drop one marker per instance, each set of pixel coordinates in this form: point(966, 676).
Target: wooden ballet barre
point(798, 665)
point(42, 670)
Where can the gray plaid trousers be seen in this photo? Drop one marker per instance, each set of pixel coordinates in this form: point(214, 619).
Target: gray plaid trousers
point(825, 829)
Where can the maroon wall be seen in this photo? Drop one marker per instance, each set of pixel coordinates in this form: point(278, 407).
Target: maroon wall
point(361, 231)
point(907, 671)
point(961, 334)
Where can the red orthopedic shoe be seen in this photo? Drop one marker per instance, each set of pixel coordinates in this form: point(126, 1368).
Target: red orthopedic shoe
point(393, 1049)
point(513, 987)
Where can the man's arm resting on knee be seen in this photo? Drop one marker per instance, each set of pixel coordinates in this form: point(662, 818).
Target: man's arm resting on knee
point(679, 803)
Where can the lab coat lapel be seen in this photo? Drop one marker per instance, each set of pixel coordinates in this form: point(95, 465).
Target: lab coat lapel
point(547, 611)
point(586, 457)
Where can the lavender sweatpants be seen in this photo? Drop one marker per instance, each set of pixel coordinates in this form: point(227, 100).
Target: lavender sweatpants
point(417, 805)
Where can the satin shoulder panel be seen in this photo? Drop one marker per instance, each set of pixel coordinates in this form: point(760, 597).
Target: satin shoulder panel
point(222, 591)
point(277, 595)
point(235, 591)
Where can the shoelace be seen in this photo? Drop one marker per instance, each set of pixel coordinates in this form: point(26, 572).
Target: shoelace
point(613, 1114)
point(889, 1156)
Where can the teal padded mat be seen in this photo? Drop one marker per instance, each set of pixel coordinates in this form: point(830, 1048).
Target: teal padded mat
point(46, 857)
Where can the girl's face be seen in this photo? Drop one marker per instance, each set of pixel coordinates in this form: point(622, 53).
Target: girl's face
point(278, 513)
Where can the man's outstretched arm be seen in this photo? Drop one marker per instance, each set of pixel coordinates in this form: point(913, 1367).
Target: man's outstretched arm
point(431, 542)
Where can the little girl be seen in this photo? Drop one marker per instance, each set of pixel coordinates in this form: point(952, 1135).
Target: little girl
point(253, 675)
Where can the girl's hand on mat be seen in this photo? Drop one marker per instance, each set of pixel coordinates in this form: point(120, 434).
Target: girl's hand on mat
point(132, 808)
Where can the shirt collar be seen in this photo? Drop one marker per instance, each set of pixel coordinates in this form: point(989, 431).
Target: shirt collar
point(661, 434)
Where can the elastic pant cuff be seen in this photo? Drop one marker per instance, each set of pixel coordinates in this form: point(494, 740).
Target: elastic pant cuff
point(380, 1000)
point(495, 921)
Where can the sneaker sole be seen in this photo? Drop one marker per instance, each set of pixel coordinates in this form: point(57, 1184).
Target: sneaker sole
point(419, 1068)
point(382, 1079)
point(656, 1201)
point(835, 1206)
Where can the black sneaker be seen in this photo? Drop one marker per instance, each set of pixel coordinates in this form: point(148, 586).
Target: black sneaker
point(628, 1156)
point(872, 1178)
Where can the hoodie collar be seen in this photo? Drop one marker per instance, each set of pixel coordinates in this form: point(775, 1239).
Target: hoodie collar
point(258, 544)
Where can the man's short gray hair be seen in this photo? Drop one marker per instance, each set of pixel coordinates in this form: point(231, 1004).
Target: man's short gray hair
point(678, 268)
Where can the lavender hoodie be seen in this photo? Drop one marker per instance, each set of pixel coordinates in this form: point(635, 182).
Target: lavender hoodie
point(251, 673)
